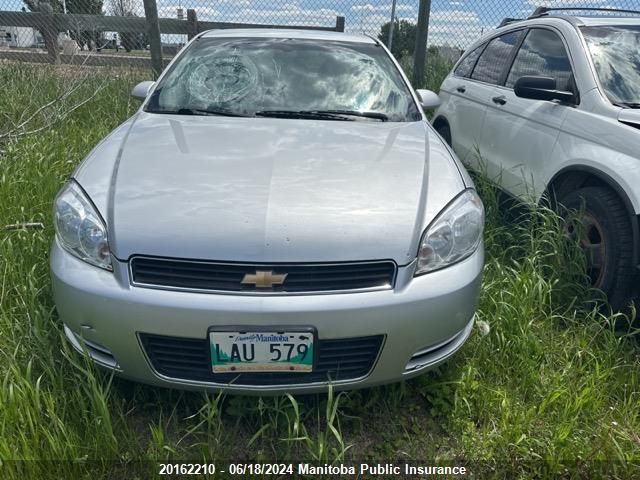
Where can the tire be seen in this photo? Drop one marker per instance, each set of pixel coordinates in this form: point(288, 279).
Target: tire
point(445, 132)
point(607, 240)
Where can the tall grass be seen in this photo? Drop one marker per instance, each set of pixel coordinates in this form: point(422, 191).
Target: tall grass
point(545, 387)
point(436, 69)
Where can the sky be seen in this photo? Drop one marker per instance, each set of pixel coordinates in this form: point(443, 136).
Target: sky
point(453, 22)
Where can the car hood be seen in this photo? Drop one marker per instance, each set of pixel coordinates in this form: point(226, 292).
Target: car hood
point(269, 190)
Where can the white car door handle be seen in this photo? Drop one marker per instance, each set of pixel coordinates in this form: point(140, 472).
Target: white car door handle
point(500, 100)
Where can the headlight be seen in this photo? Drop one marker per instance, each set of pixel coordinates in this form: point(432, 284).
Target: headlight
point(453, 235)
point(79, 228)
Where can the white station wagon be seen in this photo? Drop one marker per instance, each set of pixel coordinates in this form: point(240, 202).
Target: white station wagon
point(551, 105)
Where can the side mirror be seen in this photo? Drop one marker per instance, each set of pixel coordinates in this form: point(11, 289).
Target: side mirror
point(141, 90)
point(428, 99)
point(541, 88)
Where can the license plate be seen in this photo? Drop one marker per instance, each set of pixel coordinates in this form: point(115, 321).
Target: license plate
point(261, 351)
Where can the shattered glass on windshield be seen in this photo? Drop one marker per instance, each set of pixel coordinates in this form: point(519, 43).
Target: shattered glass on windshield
point(222, 79)
point(246, 76)
point(615, 54)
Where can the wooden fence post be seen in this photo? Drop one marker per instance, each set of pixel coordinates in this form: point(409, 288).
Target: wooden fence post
point(49, 32)
point(339, 24)
point(153, 29)
point(192, 23)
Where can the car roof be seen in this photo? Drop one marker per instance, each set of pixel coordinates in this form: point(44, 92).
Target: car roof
point(288, 33)
point(557, 20)
point(576, 21)
point(604, 20)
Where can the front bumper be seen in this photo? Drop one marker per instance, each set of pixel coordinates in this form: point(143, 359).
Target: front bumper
point(424, 320)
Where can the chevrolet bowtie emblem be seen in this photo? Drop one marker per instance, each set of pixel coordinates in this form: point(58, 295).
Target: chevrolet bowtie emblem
point(264, 279)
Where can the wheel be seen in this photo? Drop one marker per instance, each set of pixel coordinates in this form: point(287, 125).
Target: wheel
point(445, 132)
point(603, 230)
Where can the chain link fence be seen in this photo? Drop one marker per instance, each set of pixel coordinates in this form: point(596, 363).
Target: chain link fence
point(118, 32)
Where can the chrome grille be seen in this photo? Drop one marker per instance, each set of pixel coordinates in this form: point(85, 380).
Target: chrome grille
point(189, 359)
point(227, 277)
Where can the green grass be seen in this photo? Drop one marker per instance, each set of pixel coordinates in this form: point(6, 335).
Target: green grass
point(435, 71)
point(545, 387)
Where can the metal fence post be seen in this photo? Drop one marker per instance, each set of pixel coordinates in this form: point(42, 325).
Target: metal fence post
point(49, 32)
point(192, 23)
point(391, 25)
point(153, 29)
point(420, 51)
point(339, 24)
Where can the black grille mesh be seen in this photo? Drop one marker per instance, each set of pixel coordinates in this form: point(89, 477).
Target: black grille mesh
point(213, 276)
point(189, 359)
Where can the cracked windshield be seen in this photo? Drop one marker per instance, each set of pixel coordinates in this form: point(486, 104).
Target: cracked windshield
point(614, 50)
point(285, 77)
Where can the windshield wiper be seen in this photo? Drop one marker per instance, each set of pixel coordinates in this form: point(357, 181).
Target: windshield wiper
point(322, 114)
point(301, 114)
point(199, 111)
point(628, 104)
point(355, 113)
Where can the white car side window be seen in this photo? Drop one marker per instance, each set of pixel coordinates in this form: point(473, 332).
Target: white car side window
point(466, 64)
point(542, 54)
point(494, 60)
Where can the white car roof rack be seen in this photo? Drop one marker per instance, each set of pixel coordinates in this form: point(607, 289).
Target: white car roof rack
point(543, 11)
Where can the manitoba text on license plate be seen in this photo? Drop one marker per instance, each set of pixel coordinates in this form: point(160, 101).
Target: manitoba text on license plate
point(261, 351)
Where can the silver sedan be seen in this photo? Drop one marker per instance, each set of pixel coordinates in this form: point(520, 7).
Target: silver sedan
point(277, 216)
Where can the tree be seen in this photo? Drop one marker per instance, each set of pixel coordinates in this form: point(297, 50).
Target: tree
point(404, 37)
point(122, 8)
point(90, 7)
point(130, 40)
